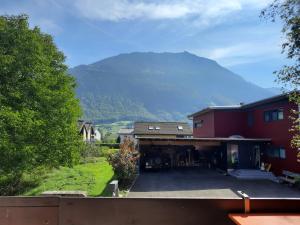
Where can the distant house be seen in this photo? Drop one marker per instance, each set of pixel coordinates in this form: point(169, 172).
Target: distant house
point(126, 133)
point(97, 135)
point(86, 130)
point(162, 130)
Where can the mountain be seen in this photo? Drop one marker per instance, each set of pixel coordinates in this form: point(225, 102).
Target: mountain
point(158, 86)
point(275, 90)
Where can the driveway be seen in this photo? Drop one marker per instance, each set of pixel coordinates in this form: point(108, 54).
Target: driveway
point(195, 183)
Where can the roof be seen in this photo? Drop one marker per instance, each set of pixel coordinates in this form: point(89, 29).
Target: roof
point(125, 131)
point(275, 98)
point(211, 108)
point(162, 128)
point(207, 139)
point(87, 124)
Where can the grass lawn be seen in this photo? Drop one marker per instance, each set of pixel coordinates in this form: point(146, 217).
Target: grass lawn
point(90, 177)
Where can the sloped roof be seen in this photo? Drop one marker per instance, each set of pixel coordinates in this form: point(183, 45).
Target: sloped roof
point(164, 128)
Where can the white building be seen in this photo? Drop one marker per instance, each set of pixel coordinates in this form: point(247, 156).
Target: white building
point(97, 135)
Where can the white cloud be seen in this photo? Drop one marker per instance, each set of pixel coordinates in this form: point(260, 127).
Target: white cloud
point(203, 10)
point(242, 53)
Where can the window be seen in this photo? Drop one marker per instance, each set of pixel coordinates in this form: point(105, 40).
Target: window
point(280, 114)
point(276, 152)
point(179, 127)
point(250, 119)
point(198, 124)
point(150, 128)
point(267, 116)
point(282, 153)
point(157, 128)
point(273, 115)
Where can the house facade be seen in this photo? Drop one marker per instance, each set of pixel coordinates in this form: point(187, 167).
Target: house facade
point(86, 130)
point(265, 119)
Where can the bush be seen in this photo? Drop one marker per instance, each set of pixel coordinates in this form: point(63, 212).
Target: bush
point(105, 151)
point(124, 162)
point(90, 150)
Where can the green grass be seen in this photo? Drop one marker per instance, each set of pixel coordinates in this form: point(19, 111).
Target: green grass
point(91, 177)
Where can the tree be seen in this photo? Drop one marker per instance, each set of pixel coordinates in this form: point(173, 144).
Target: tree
point(38, 108)
point(288, 11)
point(124, 161)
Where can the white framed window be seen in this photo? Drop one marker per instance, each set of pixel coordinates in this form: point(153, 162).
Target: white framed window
point(157, 128)
point(180, 127)
point(150, 127)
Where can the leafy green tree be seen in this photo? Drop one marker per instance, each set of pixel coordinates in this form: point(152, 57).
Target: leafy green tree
point(38, 108)
point(288, 11)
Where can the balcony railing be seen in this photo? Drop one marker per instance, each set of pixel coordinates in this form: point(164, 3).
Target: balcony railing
point(129, 211)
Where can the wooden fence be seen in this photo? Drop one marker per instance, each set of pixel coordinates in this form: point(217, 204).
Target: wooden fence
point(130, 211)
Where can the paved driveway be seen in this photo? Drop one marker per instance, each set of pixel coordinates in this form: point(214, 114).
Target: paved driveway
point(204, 183)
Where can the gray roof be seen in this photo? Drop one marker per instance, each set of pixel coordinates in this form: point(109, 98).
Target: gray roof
point(162, 128)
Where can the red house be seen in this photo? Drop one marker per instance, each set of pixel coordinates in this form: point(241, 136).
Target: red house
point(268, 118)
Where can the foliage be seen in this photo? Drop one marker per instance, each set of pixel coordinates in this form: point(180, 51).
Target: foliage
point(89, 150)
point(90, 177)
point(38, 108)
point(124, 162)
point(105, 151)
point(289, 13)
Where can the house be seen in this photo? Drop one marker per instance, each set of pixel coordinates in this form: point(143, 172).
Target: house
point(97, 135)
point(126, 133)
point(86, 130)
point(267, 119)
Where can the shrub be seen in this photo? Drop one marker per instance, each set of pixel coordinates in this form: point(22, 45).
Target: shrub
point(124, 162)
point(90, 150)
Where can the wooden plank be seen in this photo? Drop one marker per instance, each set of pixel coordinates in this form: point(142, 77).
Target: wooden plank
point(29, 215)
point(265, 219)
point(29, 201)
point(128, 211)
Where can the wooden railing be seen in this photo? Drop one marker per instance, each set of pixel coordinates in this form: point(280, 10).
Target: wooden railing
point(129, 211)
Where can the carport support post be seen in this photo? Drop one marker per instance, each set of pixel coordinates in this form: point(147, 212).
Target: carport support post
point(246, 201)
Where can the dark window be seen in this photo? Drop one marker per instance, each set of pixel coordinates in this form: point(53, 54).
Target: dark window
point(275, 152)
point(250, 119)
point(273, 115)
point(179, 136)
point(198, 124)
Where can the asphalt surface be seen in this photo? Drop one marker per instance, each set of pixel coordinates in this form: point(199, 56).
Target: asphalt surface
point(193, 183)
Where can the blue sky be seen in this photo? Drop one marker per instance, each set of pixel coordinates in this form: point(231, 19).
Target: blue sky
point(228, 31)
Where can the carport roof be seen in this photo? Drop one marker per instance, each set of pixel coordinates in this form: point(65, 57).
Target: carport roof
point(206, 139)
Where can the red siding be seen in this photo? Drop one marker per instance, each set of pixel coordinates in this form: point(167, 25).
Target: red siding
point(279, 132)
point(207, 129)
point(229, 123)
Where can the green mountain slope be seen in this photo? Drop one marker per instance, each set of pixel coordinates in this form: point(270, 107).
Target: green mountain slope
point(158, 86)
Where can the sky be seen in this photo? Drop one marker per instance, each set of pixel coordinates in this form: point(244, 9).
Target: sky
point(228, 31)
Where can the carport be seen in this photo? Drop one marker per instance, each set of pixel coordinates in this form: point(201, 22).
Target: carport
point(221, 153)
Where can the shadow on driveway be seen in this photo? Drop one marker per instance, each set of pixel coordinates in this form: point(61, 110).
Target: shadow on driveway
point(187, 183)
